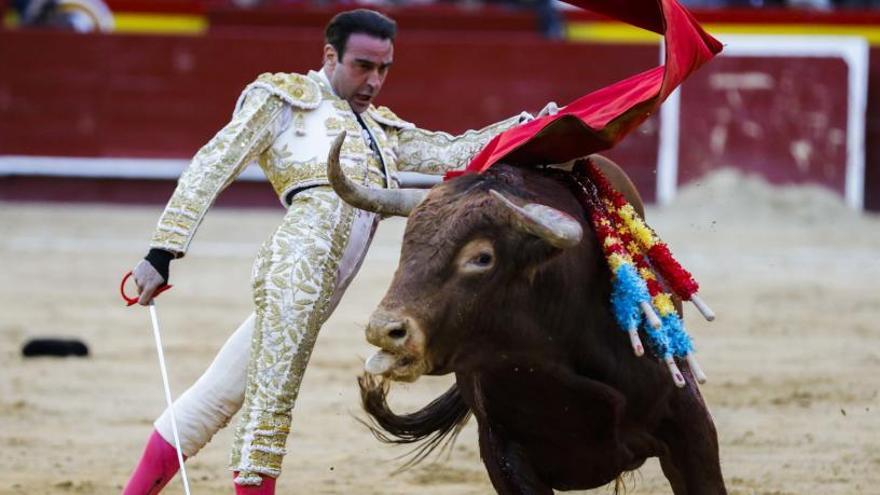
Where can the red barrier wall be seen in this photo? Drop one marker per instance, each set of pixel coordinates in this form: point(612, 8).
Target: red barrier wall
point(149, 96)
point(88, 95)
point(872, 134)
point(783, 118)
point(164, 96)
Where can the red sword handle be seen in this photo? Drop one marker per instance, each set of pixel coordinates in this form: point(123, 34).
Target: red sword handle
point(130, 301)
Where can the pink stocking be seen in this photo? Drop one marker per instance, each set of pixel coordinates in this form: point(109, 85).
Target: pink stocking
point(157, 466)
point(267, 487)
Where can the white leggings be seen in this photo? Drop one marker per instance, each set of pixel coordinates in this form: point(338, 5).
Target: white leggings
point(218, 394)
point(214, 398)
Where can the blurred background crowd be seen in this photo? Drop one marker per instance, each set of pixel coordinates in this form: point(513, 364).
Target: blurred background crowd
point(89, 15)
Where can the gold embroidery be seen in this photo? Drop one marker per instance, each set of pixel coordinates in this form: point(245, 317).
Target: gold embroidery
point(294, 278)
point(296, 89)
point(352, 127)
point(333, 124)
point(429, 152)
point(214, 167)
point(385, 116)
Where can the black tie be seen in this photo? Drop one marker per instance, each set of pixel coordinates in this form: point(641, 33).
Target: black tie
point(369, 137)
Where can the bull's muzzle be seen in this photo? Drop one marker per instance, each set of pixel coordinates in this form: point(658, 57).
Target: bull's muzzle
point(402, 344)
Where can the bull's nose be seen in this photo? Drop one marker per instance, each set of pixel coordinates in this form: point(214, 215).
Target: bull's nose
point(388, 331)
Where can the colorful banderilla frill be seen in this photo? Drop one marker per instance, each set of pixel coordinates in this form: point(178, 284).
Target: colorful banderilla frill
point(642, 268)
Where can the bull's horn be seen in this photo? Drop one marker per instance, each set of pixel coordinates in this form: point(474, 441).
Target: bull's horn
point(388, 202)
point(557, 228)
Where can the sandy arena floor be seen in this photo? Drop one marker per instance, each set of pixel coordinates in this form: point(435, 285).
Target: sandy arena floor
point(793, 359)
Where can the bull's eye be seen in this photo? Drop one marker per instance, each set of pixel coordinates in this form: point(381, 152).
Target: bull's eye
point(477, 256)
point(483, 259)
point(482, 262)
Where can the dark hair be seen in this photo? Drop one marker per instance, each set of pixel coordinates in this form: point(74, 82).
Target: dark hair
point(362, 21)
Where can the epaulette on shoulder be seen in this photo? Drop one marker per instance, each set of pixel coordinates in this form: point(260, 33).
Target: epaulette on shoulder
point(295, 89)
point(385, 116)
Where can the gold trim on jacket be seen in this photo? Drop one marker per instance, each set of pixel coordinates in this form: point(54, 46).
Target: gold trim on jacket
point(286, 122)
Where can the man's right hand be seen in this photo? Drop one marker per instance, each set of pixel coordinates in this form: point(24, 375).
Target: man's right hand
point(147, 279)
point(151, 274)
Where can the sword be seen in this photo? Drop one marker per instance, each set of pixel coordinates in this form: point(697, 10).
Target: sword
point(158, 338)
point(417, 180)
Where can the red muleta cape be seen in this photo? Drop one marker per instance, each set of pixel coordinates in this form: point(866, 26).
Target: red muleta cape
point(599, 120)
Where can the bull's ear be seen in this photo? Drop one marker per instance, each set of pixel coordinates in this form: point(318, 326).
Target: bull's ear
point(553, 226)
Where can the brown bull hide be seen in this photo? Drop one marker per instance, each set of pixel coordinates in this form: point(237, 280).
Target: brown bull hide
point(559, 398)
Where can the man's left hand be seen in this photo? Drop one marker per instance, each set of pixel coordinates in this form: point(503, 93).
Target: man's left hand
point(549, 109)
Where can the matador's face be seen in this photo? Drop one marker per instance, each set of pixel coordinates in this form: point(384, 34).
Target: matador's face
point(359, 75)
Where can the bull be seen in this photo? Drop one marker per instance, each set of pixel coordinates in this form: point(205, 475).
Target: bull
point(502, 282)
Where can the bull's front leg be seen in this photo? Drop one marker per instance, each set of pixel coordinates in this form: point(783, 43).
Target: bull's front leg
point(509, 470)
point(691, 463)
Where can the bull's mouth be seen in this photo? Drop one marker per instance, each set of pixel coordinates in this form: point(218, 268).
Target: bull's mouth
point(397, 367)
